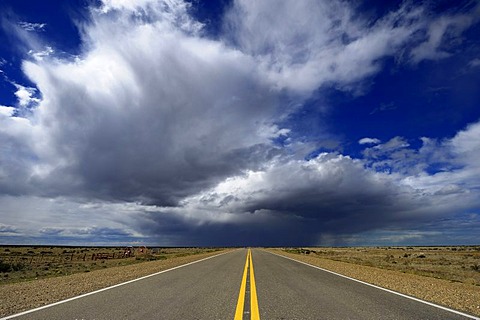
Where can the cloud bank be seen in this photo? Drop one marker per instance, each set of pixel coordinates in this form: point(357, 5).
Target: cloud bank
point(158, 132)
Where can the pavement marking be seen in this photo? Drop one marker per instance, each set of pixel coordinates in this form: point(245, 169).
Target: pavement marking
point(108, 288)
point(241, 294)
point(254, 313)
point(377, 287)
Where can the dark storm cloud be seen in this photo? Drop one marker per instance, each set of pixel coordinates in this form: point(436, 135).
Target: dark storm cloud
point(152, 122)
point(329, 195)
point(260, 229)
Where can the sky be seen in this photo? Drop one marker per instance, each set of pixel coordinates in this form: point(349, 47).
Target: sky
point(240, 122)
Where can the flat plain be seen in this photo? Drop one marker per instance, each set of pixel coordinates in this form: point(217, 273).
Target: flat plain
point(453, 263)
point(24, 263)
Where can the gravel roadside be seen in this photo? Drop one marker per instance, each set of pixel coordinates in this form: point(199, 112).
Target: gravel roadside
point(458, 296)
point(18, 297)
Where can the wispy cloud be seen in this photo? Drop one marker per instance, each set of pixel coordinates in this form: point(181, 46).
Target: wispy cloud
point(304, 45)
point(384, 107)
point(474, 63)
point(40, 55)
point(369, 141)
point(443, 33)
point(31, 26)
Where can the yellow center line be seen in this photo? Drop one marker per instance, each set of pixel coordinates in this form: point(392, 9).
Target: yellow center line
point(254, 313)
point(241, 295)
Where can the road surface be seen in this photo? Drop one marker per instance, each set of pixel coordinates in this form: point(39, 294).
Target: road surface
point(238, 285)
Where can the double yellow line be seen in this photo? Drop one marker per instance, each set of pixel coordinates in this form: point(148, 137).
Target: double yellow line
point(254, 314)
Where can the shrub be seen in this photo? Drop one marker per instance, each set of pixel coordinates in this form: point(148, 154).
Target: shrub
point(4, 267)
point(7, 267)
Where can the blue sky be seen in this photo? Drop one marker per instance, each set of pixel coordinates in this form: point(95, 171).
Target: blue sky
point(239, 122)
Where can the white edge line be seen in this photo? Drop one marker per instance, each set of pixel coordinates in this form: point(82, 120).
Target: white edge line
point(108, 288)
point(377, 287)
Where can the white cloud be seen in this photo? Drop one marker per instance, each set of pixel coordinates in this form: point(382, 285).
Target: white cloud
point(38, 218)
point(303, 45)
point(168, 13)
point(30, 26)
point(6, 111)
point(443, 32)
point(369, 141)
point(459, 158)
point(25, 95)
point(466, 145)
point(40, 55)
point(393, 155)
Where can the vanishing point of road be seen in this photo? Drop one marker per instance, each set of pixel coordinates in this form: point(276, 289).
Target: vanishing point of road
point(242, 284)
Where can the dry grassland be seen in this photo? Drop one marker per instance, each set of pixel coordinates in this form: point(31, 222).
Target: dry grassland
point(456, 264)
point(19, 263)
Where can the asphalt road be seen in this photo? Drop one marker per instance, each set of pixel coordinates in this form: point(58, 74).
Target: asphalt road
point(210, 290)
